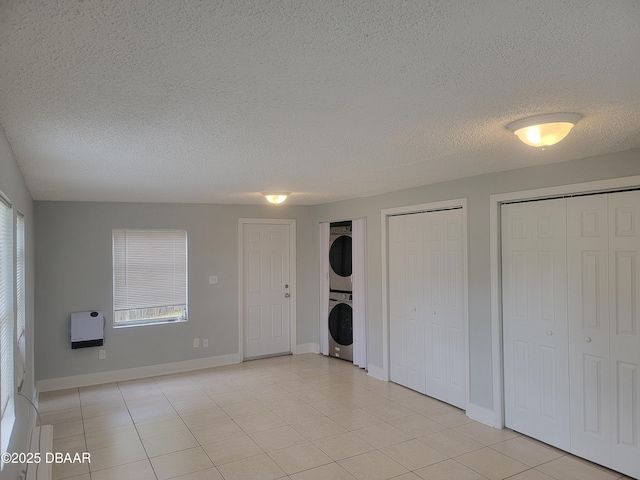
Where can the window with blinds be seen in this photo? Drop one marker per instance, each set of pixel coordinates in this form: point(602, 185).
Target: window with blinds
point(149, 277)
point(6, 322)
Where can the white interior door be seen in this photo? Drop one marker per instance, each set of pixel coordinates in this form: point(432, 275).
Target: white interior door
point(534, 281)
point(266, 289)
point(588, 290)
point(624, 308)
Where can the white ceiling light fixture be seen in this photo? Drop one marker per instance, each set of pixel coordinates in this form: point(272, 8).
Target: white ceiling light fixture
point(544, 130)
point(276, 197)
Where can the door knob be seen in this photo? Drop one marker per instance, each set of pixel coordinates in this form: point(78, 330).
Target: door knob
point(286, 295)
point(286, 285)
point(549, 332)
point(587, 339)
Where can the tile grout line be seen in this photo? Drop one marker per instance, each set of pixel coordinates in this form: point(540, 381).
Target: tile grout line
point(250, 378)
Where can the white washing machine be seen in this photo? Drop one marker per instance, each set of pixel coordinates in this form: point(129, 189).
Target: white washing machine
point(341, 325)
point(340, 257)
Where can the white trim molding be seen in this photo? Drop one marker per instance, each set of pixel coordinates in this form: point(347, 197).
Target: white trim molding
point(383, 374)
point(495, 201)
point(481, 414)
point(292, 277)
point(377, 373)
point(307, 348)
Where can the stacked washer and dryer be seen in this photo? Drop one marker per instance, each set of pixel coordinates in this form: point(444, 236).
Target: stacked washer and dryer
point(340, 291)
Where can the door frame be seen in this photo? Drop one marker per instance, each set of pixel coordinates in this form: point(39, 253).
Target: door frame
point(423, 208)
point(495, 231)
point(292, 277)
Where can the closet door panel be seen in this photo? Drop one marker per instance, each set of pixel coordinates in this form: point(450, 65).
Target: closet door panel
point(454, 284)
point(520, 366)
point(588, 280)
point(415, 303)
point(535, 332)
point(435, 295)
point(624, 285)
point(444, 309)
point(398, 304)
point(406, 301)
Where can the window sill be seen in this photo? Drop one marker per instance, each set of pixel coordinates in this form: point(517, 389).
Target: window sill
point(6, 429)
point(149, 322)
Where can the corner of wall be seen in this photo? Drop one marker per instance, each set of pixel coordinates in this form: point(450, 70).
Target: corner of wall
point(307, 348)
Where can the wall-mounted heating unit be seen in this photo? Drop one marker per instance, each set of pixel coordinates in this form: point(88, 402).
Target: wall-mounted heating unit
point(87, 329)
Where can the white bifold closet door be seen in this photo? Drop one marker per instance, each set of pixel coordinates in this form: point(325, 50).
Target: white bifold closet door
point(534, 282)
point(602, 353)
point(426, 292)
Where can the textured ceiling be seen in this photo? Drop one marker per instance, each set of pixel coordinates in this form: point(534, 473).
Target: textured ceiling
point(202, 101)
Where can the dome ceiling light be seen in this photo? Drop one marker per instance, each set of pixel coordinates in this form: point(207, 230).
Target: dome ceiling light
point(276, 197)
point(544, 130)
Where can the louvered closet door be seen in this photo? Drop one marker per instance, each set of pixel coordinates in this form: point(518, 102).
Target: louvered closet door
point(534, 280)
point(624, 330)
point(406, 301)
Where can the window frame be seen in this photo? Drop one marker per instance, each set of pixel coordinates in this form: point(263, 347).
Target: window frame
point(7, 324)
point(20, 354)
point(21, 272)
point(182, 308)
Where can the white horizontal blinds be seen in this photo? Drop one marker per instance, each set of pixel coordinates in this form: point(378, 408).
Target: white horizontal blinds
point(20, 276)
point(6, 305)
point(149, 268)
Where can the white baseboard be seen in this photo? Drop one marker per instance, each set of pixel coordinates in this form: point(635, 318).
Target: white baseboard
point(377, 373)
point(307, 348)
point(85, 380)
point(481, 414)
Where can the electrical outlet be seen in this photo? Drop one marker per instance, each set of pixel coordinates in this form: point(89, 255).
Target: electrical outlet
point(213, 279)
point(196, 342)
point(205, 342)
point(102, 354)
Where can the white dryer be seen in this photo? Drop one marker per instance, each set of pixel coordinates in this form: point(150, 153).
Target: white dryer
point(341, 325)
point(340, 257)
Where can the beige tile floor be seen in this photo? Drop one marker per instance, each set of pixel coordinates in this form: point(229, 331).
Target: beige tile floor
point(302, 417)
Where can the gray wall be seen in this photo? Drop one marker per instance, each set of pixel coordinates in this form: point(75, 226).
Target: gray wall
point(74, 273)
point(477, 190)
point(13, 186)
point(73, 259)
